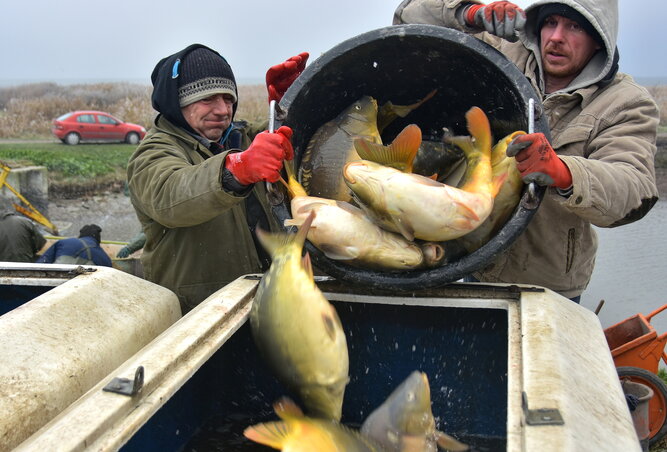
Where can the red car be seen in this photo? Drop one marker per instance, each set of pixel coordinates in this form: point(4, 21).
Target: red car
point(76, 126)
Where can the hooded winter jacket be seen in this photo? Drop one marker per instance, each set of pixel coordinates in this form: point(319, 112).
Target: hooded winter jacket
point(198, 233)
point(603, 126)
point(20, 240)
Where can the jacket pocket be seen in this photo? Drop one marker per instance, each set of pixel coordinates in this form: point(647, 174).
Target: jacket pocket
point(572, 140)
point(571, 249)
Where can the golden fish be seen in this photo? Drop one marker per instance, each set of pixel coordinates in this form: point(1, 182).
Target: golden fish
point(331, 146)
point(504, 169)
point(298, 433)
point(344, 232)
point(297, 330)
point(418, 207)
point(404, 422)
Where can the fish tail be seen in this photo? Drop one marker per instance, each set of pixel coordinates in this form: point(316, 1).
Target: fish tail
point(272, 242)
point(480, 129)
point(272, 434)
point(293, 186)
point(399, 154)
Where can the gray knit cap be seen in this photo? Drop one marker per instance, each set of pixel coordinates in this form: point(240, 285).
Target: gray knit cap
point(204, 73)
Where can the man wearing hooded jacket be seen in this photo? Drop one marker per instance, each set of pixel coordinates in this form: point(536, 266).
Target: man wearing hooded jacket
point(195, 192)
point(599, 165)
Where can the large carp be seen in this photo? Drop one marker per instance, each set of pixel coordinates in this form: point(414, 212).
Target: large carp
point(331, 146)
point(344, 232)
point(299, 433)
point(297, 330)
point(503, 169)
point(404, 422)
point(419, 207)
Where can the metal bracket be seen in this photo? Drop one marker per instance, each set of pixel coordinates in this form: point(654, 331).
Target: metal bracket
point(540, 416)
point(126, 386)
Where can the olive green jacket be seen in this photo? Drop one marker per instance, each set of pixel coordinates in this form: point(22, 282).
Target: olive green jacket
point(197, 234)
point(605, 132)
point(20, 240)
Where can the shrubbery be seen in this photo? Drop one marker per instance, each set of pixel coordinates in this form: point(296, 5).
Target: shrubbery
point(27, 111)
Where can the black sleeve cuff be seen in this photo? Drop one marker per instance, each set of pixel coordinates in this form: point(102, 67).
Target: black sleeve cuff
point(229, 183)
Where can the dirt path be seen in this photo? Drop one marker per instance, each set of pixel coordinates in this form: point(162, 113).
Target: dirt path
point(113, 212)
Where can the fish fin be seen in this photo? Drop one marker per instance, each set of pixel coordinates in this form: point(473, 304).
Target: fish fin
point(466, 211)
point(310, 206)
point(480, 129)
point(367, 150)
point(346, 206)
point(339, 252)
point(293, 222)
point(497, 183)
point(400, 154)
point(463, 142)
point(307, 265)
point(272, 434)
point(433, 176)
point(405, 229)
point(450, 443)
point(388, 111)
point(303, 230)
point(405, 146)
point(428, 181)
point(330, 320)
point(286, 409)
point(270, 242)
point(273, 241)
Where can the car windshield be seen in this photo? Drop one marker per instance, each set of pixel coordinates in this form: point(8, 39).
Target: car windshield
point(63, 117)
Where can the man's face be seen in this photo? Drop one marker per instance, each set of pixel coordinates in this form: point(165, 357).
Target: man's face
point(566, 48)
point(210, 117)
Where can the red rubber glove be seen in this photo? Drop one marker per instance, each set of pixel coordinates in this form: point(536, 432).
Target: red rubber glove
point(537, 161)
point(502, 19)
point(263, 160)
point(281, 76)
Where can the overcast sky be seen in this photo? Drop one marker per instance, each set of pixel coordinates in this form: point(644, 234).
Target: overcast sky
point(80, 40)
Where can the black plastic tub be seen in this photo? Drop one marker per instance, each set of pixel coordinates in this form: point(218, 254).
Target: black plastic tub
point(402, 64)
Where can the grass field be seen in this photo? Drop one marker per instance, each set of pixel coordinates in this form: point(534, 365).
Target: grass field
point(73, 170)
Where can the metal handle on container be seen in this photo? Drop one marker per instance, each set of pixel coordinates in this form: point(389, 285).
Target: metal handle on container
point(532, 189)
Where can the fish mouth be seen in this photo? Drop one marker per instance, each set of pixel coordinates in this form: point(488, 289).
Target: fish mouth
point(346, 171)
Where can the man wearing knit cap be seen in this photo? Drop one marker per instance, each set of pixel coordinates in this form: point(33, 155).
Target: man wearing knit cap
point(193, 180)
point(599, 164)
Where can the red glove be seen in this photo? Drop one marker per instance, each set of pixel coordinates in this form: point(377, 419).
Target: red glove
point(263, 160)
point(502, 19)
point(537, 161)
point(281, 76)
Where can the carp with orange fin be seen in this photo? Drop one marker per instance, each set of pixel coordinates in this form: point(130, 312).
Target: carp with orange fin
point(296, 432)
point(419, 207)
point(344, 232)
point(404, 421)
point(297, 330)
point(503, 169)
point(331, 146)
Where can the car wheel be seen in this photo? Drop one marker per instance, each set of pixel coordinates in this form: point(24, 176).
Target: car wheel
point(72, 138)
point(132, 138)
